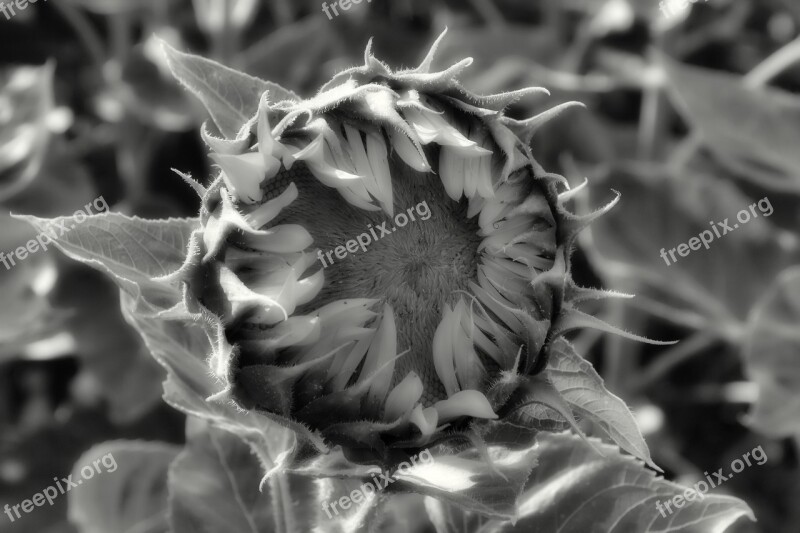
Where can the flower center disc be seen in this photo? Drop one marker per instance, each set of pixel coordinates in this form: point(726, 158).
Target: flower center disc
point(415, 268)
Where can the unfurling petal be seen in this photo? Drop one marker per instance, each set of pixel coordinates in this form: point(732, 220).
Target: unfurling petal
point(465, 403)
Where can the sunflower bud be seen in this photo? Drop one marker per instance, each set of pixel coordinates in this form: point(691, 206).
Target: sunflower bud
point(434, 326)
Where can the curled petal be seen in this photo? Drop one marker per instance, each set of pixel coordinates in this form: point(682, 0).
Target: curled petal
point(267, 211)
point(403, 397)
point(425, 419)
point(286, 238)
point(443, 352)
point(243, 175)
point(409, 151)
point(465, 403)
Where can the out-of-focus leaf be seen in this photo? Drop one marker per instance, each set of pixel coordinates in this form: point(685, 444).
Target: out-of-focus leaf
point(587, 396)
point(753, 131)
point(574, 489)
point(149, 93)
point(489, 46)
point(26, 101)
point(215, 488)
point(295, 55)
point(772, 356)
point(111, 352)
point(660, 210)
point(62, 186)
point(131, 498)
point(26, 315)
point(231, 97)
point(133, 251)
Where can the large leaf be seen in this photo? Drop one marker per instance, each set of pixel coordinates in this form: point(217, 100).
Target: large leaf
point(451, 519)
point(583, 389)
point(134, 251)
point(754, 131)
point(772, 356)
point(132, 497)
point(218, 467)
point(231, 97)
point(181, 347)
point(488, 484)
point(147, 91)
point(131, 249)
point(576, 490)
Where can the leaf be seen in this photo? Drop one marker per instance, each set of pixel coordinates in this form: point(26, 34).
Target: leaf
point(772, 357)
point(132, 497)
point(468, 481)
point(214, 488)
point(450, 519)
point(754, 131)
point(147, 90)
point(181, 347)
point(584, 391)
point(131, 249)
point(576, 490)
point(366, 508)
point(231, 97)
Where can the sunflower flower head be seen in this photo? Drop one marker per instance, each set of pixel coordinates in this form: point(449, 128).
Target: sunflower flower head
point(441, 323)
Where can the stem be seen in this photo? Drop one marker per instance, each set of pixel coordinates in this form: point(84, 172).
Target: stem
point(651, 127)
point(285, 521)
point(490, 13)
point(774, 65)
point(616, 364)
point(85, 31)
point(121, 42)
point(678, 317)
point(683, 153)
point(224, 41)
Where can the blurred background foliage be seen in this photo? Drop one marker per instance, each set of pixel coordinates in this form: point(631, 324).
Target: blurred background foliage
point(691, 117)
